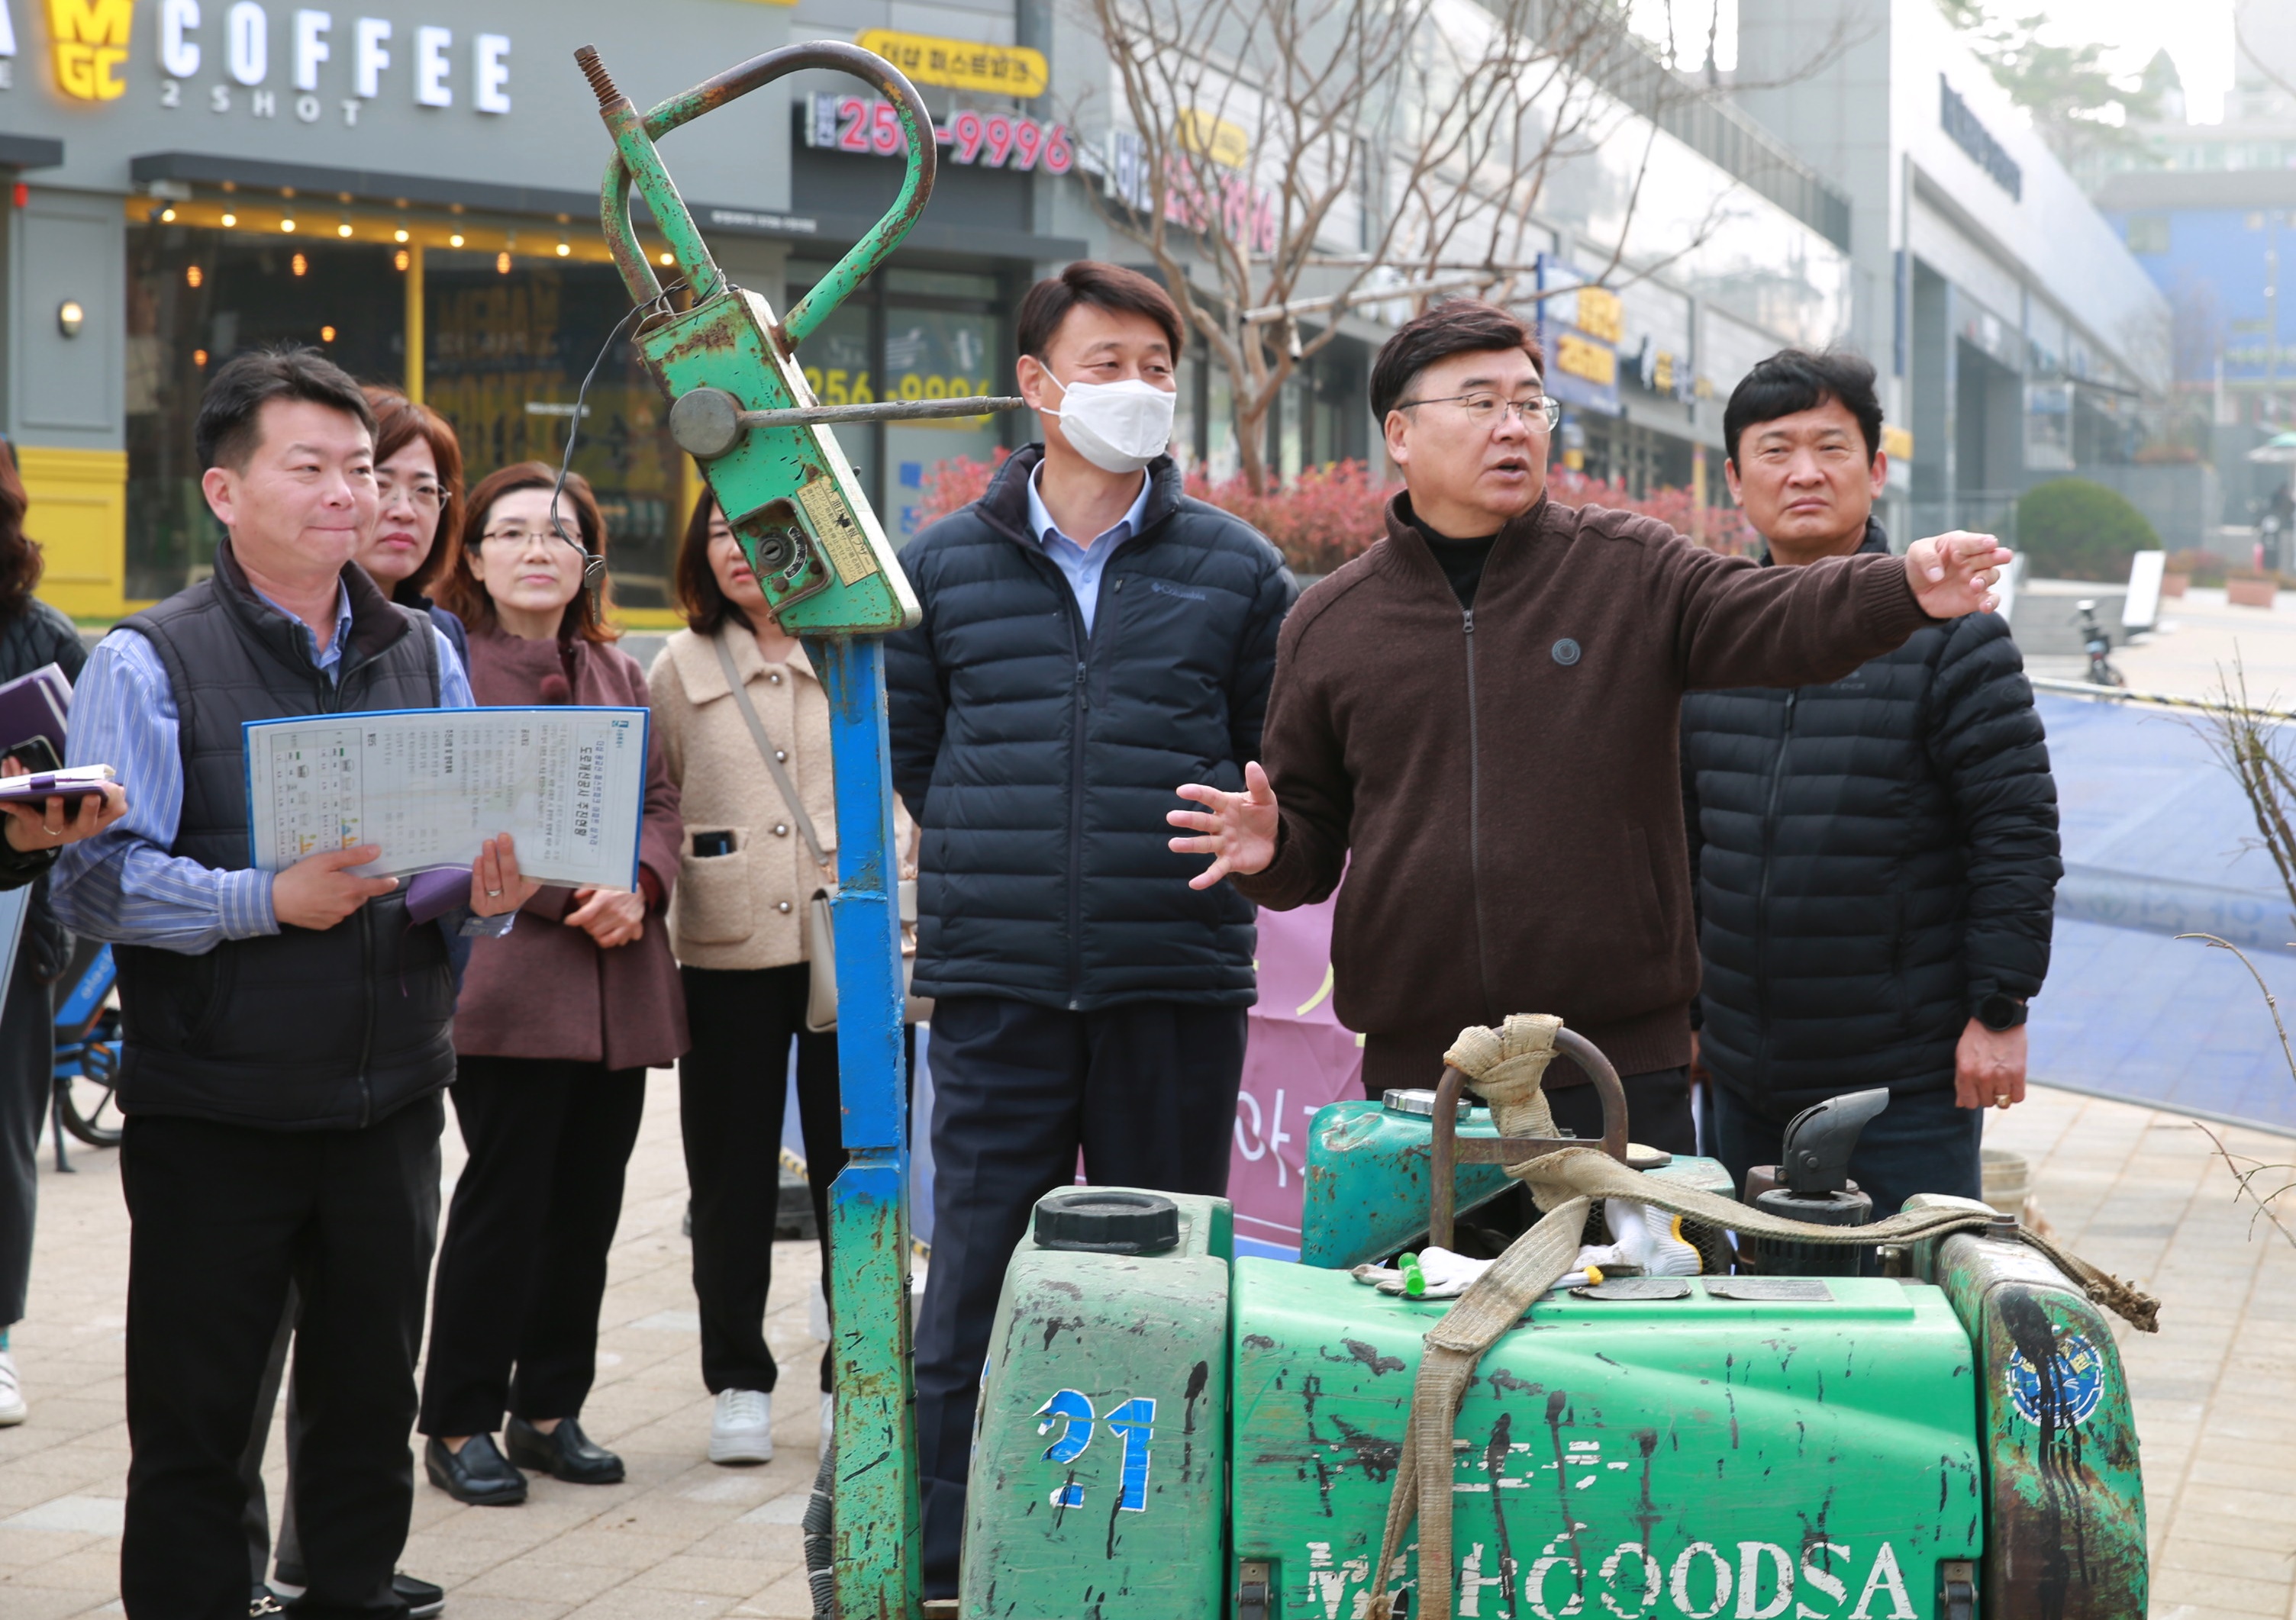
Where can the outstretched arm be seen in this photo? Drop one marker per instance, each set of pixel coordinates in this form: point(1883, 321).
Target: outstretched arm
point(1789, 626)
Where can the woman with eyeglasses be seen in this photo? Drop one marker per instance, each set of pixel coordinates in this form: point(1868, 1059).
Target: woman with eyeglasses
point(557, 1024)
point(418, 480)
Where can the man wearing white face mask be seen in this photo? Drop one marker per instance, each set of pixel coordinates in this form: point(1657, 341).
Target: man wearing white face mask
point(1090, 636)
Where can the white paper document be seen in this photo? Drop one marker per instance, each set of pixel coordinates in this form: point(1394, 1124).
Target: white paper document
point(431, 785)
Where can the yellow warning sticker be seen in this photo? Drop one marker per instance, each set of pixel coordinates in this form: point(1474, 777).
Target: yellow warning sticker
point(833, 526)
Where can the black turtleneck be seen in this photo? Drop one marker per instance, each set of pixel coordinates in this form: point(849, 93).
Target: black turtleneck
point(1461, 560)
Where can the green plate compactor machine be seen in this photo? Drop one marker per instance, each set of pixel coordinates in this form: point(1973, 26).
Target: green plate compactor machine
point(1920, 1417)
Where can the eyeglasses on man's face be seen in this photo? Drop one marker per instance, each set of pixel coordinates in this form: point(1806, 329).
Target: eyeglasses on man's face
point(1487, 411)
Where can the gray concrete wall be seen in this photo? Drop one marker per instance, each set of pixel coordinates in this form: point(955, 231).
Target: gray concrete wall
point(66, 391)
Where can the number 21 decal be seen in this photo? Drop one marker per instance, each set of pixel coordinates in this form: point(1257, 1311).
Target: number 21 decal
point(1134, 1425)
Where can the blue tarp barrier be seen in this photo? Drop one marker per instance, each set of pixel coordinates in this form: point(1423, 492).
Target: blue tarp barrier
point(2158, 841)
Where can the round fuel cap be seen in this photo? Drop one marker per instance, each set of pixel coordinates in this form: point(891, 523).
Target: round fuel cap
point(1098, 1222)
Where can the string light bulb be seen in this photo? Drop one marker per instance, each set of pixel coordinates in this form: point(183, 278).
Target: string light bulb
point(326, 334)
point(167, 215)
point(399, 260)
point(456, 241)
point(502, 262)
point(193, 275)
point(287, 228)
point(230, 220)
point(564, 249)
point(199, 357)
point(344, 229)
point(667, 258)
point(399, 235)
point(300, 264)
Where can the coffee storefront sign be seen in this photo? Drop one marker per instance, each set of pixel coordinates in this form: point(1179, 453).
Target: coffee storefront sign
point(242, 58)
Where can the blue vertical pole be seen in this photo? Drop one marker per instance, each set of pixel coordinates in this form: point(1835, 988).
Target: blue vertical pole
point(877, 1516)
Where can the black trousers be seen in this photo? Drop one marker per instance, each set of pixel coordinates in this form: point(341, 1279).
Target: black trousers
point(255, 1520)
point(1147, 1091)
point(514, 1314)
point(28, 1053)
point(731, 1098)
point(222, 1217)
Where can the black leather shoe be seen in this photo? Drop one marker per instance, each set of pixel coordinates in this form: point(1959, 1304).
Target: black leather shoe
point(565, 1452)
point(477, 1474)
point(423, 1599)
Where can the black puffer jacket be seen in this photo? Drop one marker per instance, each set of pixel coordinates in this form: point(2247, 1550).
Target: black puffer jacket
point(1040, 761)
point(1872, 858)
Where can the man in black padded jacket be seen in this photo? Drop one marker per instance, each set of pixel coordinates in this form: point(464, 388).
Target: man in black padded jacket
point(1875, 860)
point(1090, 636)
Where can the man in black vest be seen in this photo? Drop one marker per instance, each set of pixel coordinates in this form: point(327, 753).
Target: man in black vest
point(286, 1033)
point(1876, 859)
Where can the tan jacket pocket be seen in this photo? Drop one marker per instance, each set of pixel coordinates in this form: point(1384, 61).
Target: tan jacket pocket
point(716, 904)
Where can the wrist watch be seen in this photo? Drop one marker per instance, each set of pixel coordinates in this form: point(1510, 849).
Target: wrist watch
point(2000, 1013)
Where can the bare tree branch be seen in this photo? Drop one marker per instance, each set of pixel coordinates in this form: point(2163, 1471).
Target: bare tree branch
point(1419, 135)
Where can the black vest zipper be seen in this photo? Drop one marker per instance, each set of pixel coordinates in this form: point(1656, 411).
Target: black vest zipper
point(1762, 903)
point(1474, 815)
point(330, 702)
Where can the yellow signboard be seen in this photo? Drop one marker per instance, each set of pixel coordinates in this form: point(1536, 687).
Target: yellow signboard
point(1592, 362)
point(1896, 444)
point(90, 38)
point(959, 64)
point(1212, 137)
point(1601, 315)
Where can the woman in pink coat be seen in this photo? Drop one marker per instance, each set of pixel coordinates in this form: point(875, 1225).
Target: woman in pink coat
point(558, 1022)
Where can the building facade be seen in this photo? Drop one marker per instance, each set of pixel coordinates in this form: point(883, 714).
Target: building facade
point(2018, 338)
point(413, 187)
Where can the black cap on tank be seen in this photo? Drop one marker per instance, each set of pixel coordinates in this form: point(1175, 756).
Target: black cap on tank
point(1097, 1221)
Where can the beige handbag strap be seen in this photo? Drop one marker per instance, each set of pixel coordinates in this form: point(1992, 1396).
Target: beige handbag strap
point(765, 752)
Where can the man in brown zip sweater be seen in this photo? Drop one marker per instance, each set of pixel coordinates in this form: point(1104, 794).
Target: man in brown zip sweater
point(1477, 721)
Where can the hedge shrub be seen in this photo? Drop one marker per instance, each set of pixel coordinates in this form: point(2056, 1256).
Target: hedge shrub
point(2072, 528)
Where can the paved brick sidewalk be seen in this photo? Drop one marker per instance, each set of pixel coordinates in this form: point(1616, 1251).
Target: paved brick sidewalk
point(2134, 1190)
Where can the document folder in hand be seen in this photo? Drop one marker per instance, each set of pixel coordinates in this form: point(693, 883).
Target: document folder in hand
point(71, 785)
point(429, 786)
point(32, 710)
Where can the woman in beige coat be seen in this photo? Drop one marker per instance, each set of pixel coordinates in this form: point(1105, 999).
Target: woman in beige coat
point(746, 874)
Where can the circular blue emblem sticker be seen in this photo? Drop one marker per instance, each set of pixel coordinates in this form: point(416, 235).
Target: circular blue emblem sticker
point(2066, 1396)
point(1566, 652)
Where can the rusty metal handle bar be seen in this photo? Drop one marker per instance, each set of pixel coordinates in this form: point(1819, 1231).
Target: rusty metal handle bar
point(883, 410)
point(1449, 1152)
point(634, 141)
point(709, 422)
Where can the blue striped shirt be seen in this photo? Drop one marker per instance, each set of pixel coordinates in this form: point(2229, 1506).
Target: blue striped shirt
point(122, 885)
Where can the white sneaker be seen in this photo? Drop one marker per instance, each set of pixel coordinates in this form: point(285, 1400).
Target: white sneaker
point(741, 1430)
point(13, 1410)
point(828, 1421)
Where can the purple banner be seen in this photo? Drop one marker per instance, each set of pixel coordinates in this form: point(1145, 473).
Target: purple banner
point(1299, 1059)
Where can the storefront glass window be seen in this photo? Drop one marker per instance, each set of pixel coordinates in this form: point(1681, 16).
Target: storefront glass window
point(840, 368)
point(505, 352)
point(1290, 436)
point(506, 356)
point(197, 296)
point(911, 334)
point(934, 354)
point(1221, 458)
